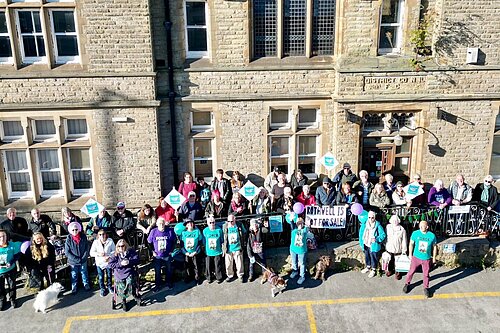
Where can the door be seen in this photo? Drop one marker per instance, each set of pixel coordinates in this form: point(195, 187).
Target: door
point(378, 161)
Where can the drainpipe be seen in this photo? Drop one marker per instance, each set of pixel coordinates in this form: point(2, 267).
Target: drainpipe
point(171, 93)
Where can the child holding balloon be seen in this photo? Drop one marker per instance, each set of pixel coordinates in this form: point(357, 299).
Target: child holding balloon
point(9, 254)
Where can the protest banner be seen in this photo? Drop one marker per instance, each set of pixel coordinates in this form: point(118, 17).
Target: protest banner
point(92, 208)
point(175, 199)
point(413, 190)
point(326, 217)
point(329, 161)
point(276, 223)
point(249, 190)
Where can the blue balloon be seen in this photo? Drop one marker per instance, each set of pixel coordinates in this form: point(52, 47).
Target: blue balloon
point(179, 228)
point(291, 216)
point(363, 217)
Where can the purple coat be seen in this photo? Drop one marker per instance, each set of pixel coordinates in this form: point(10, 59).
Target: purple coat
point(437, 198)
point(123, 272)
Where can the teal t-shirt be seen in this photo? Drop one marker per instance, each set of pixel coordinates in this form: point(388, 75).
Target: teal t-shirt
point(423, 244)
point(191, 239)
point(213, 241)
point(298, 244)
point(233, 239)
point(7, 255)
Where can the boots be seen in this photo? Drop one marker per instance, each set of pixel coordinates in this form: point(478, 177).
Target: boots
point(1, 305)
point(13, 303)
point(124, 305)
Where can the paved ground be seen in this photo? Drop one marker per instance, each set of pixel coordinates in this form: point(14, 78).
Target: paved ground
point(465, 300)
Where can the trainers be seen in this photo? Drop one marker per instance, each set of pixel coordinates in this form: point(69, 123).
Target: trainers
point(301, 280)
point(220, 281)
point(103, 292)
point(372, 273)
point(427, 293)
point(294, 274)
point(73, 291)
point(242, 279)
point(110, 290)
point(13, 304)
point(406, 288)
point(365, 270)
point(250, 278)
point(229, 279)
point(87, 287)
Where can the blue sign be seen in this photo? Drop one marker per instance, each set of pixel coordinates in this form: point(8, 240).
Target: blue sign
point(413, 189)
point(276, 223)
point(250, 191)
point(92, 208)
point(329, 161)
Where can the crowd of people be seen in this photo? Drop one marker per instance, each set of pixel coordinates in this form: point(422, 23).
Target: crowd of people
point(107, 237)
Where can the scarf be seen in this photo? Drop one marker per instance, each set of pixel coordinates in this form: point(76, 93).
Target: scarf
point(76, 238)
point(485, 195)
point(235, 205)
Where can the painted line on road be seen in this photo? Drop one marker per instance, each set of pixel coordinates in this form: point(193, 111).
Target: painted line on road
point(307, 304)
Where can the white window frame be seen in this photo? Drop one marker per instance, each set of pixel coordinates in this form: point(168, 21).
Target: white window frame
point(315, 155)
point(11, 139)
point(495, 157)
point(307, 125)
point(25, 59)
point(16, 194)
point(7, 60)
point(399, 25)
point(43, 137)
point(80, 192)
point(211, 158)
point(64, 59)
point(75, 137)
point(197, 54)
point(202, 128)
point(287, 156)
point(49, 193)
point(276, 126)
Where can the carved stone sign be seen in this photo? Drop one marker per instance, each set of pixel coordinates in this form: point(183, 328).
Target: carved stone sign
point(394, 83)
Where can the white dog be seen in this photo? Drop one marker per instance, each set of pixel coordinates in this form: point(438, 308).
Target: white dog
point(48, 297)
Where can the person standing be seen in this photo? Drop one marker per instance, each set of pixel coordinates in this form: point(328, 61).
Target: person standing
point(102, 249)
point(15, 226)
point(234, 240)
point(344, 176)
point(325, 194)
point(123, 223)
point(42, 261)
point(163, 239)
point(9, 254)
point(396, 243)
point(298, 250)
point(191, 240)
point(423, 250)
point(371, 237)
point(42, 223)
point(255, 247)
point(486, 194)
point(213, 237)
point(77, 251)
point(223, 185)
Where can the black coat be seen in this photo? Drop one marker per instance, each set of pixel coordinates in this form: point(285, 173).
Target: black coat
point(16, 229)
point(45, 225)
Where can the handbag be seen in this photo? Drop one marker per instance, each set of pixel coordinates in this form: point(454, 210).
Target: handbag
point(402, 263)
point(386, 258)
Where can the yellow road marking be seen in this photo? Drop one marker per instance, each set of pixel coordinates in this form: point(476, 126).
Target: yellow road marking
point(307, 304)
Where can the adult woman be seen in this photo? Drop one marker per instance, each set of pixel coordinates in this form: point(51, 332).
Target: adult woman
point(255, 246)
point(192, 241)
point(102, 249)
point(213, 238)
point(284, 203)
point(371, 236)
point(124, 262)
point(261, 204)
point(345, 196)
point(298, 250)
point(297, 181)
point(305, 197)
point(216, 207)
point(165, 211)
point(238, 206)
point(396, 243)
point(42, 262)
point(9, 254)
point(76, 249)
point(399, 196)
point(68, 217)
point(236, 183)
point(146, 219)
point(439, 196)
point(100, 222)
point(379, 198)
point(187, 185)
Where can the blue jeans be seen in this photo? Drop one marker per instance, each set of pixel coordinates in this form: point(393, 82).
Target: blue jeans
point(371, 258)
point(79, 269)
point(158, 264)
point(100, 273)
point(301, 258)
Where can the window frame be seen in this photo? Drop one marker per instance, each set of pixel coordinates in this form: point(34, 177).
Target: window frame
point(24, 58)
point(80, 192)
point(315, 155)
point(399, 27)
point(64, 59)
point(75, 137)
point(314, 124)
point(16, 194)
point(7, 60)
point(197, 54)
point(201, 128)
point(11, 139)
point(495, 156)
point(43, 137)
point(286, 156)
point(194, 159)
point(49, 193)
point(278, 126)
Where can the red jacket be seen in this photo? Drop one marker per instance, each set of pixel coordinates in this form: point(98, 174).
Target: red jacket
point(311, 201)
point(168, 213)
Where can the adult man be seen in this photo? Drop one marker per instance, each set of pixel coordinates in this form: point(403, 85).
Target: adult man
point(191, 240)
point(460, 191)
point(344, 176)
point(325, 195)
point(234, 241)
point(213, 237)
point(223, 185)
point(271, 179)
point(363, 188)
point(423, 249)
point(486, 193)
point(278, 188)
point(191, 209)
point(123, 222)
point(42, 223)
point(163, 239)
point(15, 226)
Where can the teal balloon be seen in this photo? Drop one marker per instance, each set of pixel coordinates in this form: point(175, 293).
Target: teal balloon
point(179, 228)
point(363, 217)
point(291, 216)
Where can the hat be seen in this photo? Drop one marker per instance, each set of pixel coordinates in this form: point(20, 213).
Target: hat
point(191, 193)
point(326, 180)
point(347, 166)
point(186, 221)
point(121, 204)
point(74, 225)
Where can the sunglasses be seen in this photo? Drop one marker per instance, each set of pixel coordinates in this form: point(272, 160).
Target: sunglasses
point(102, 234)
point(211, 222)
point(74, 229)
point(371, 217)
point(488, 181)
point(120, 246)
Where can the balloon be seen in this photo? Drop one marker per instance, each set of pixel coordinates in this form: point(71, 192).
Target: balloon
point(25, 246)
point(363, 217)
point(356, 209)
point(179, 228)
point(298, 207)
point(291, 216)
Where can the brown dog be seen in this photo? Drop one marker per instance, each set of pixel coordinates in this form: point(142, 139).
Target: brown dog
point(322, 266)
point(278, 284)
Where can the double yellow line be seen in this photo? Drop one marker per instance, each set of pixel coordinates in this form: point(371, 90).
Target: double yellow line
point(307, 304)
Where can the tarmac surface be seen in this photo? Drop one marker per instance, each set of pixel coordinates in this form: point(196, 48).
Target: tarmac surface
point(464, 300)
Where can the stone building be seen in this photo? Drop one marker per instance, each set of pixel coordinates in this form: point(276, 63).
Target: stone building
point(78, 108)
point(89, 105)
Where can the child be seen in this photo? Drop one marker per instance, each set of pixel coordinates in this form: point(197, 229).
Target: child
point(9, 254)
